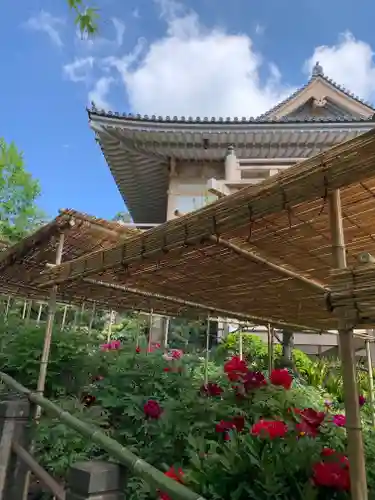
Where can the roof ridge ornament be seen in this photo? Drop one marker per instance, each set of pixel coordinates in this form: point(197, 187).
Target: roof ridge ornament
point(317, 70)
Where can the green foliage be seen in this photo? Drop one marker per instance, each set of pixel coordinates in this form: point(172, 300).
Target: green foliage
point(19, 214)
point(86, 17)
point(72, 360)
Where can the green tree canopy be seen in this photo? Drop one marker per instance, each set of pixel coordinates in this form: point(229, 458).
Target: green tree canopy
point(86, 17)
point(122, 217)
point(19, 213)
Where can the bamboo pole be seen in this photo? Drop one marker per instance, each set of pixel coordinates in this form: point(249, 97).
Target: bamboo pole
point(48, 335)
point(75, 319)
point(207, 357)
point(240, 341)
point(166, 331)
point(109, 333)
point(92, 317)
point(270, 348)
point(28, 314)
point(63, 320)
point(150, 330)
point(7, 307)
point(81, 313)
point(356, 457)
point(370, 381)
point(24, 309)
point(39, 313)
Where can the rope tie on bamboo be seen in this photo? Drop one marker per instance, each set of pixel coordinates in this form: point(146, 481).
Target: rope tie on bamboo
point(355, 303)
point(325, 195)
point(124, 265)
point(251, 222)
point(286, 206)
point(328, 300)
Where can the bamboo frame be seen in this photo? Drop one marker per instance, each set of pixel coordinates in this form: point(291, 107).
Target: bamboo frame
point(370, 381)
point(270, 348)
point(49, 326)
point(207, 354)
point(353, 419)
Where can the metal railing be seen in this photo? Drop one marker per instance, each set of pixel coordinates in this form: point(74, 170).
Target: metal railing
point(16, 461)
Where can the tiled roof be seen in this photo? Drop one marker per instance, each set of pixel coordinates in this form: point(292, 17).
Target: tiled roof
point(95, 112)
point(264, 118)
point(317, 73)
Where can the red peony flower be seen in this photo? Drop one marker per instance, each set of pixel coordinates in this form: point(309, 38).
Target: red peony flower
point(235, 368)
point(338, 457)
point(167, 369)
point(152, 409)
point(361, 400)
point(304, 429)
point(137, 349)
point(176, 475)
point(327, 452)
point(331, 475)
point(211, 389)
point(177, 354)
point(339, 420)
point(269, 428)
point(239, 423)
point(254, 380)
point(281, 377)
point(312, 417)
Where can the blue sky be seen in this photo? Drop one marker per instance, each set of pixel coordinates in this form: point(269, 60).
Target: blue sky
point(207, 57)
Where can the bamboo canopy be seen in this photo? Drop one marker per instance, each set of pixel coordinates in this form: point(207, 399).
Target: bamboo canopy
point(265, 250)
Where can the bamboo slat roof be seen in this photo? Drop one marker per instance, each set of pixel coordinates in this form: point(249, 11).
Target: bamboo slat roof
point(220, 255)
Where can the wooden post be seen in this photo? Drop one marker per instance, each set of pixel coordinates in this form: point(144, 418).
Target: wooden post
point(151, 318)
point(96, 480)
point(24, 309)
point(7, 307)
point(39, 313)
point(270, 348)
point(81, 314)
point(109, 335)
point(240, 341)
point(92, 317)
point(166, 332)
point(14, 426)
point(28, 314)
point(370, 381)
point(63, 320)
point(207, 357)
point(48, 336)
point(356, 456)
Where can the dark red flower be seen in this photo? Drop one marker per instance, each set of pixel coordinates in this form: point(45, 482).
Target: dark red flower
point(361, 400)
point(167, 369)
point(331, 475)
point(152, 409)
point(327, 452)
point(269, 428)
point(312, 417)
point(239, 423)
point(211, 389)
point(89, 400)
point(224, 426)
point(98, 378)
point(281, 377)
point(338, 457)
point(235, 368)
point(304, 429)
point(177, 354)
point(176, 475)
point(254, 380)
point(137, 349)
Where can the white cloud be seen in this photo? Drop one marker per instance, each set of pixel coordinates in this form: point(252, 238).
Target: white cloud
point(197, 71)
point(350, 63)
point(47, 23)
point(259, 29)
point(99, 93)
point(120, 30)
point(79, 70)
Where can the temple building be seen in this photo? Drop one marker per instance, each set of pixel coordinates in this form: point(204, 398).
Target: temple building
point(169, 165)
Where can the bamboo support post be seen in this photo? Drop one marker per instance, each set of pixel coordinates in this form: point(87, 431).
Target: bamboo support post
point(39, 313)
point(81, 313)
point(353, 421)
point(166, 332)
point(48, 335)
point(207, 357)
point(109, 333)
point(24, 309)
point(270, 348)
point(7, 307)
point(63, 320)
point(92, 317)
point(240, 341)
point(151, 318)
point(28, 312)
point(370, 381)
